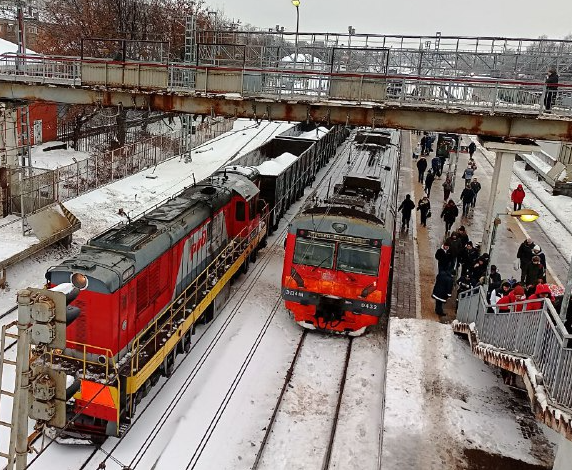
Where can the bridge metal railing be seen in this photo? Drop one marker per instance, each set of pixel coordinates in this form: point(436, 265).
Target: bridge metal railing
point(536, 334)
point(313, 82)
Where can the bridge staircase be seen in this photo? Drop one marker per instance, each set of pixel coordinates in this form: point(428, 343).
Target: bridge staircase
point(533, 344)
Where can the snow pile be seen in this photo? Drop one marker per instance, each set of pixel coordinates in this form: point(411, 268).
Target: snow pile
point(286, 159)
point(52, 159)
point(442, 401)
point(7, 47)
point(316, 134)
point(270, 168)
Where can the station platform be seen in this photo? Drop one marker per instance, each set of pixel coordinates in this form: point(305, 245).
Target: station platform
point(453, 404)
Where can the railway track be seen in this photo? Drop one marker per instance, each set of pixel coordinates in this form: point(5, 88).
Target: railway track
point(334, 417)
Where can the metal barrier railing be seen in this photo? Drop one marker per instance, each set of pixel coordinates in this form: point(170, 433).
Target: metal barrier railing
point(536, 334)
point(450, 88)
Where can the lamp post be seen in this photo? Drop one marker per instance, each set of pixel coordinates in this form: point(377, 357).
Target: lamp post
point(296, 3)
point(525, 215)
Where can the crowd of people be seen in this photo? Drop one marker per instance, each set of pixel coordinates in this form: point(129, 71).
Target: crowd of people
point(459, 261)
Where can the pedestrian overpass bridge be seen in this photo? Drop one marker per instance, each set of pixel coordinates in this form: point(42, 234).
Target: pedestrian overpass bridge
point(487, 86)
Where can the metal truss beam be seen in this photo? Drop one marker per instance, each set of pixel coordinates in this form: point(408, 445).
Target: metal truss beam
point(504, 124)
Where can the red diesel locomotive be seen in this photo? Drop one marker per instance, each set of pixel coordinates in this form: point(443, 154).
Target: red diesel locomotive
point(339, 251)
point(143, 287)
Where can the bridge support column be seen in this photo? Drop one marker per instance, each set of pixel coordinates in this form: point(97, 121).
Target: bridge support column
point(563, 455)
point(498, 198)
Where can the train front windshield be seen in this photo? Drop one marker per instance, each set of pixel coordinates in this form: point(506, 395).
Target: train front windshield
point(358, 260)
point(317, 254)
point(348, 258)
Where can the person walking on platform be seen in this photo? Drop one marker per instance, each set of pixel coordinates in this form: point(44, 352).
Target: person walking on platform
point(537, 251)
point(455, 249)
point(424, 207)
point(425, 144)
point(517, 197)
point(449, 214)
point(498, 293)
point(476, 187)
point(442, 290)
point(463, 235)
point(447, 187)
point(494, 279)
point(468, 175)
point(551, 89)
point(472, 149)
point(406, 206)
point(429, 182)
point(469, 258)
point(421, 167)
point(524, 255)
point(467, 198)
point(444, 258)
point(436, 166)
point(534, 273)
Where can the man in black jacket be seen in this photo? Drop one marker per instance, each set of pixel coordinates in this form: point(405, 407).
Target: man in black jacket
point(472, 149)
point(551, 89)
point(421, 167)
point(442, 290)
point(524, 254)
point(476, 187)
point(406, 207)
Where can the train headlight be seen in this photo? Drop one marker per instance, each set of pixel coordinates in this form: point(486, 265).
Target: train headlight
point(79, 280)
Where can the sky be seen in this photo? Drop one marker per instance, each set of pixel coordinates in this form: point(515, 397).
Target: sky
point(501, 18)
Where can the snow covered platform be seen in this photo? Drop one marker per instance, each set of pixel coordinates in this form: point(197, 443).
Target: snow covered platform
point(446, 409)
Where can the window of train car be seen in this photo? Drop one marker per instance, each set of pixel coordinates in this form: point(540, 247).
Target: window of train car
point(309, 253)
point(358, 260)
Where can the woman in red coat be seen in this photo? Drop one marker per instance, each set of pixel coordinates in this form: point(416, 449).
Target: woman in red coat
point(517, 197)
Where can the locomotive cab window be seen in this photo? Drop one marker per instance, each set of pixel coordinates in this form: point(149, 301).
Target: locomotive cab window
point(320, 255)
point(358, 260)
point(240, 211)
point(251, 209)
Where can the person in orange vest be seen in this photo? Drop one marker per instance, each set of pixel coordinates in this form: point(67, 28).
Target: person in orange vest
point(542, 292)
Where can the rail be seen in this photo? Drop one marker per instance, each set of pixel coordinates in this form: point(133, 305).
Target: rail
point(311, 81)
point(536, 335)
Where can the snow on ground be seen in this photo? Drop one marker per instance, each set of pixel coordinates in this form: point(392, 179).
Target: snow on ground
point(442, 402)
point(299, 438)
point(12, 240)
point(52, 159)
point(7, 47)
point(97, 210)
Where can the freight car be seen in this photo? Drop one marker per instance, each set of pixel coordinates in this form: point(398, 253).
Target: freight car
point(337, 266)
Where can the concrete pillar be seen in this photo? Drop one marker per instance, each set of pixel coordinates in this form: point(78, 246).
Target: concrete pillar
point(499, 196)
point(563, 455)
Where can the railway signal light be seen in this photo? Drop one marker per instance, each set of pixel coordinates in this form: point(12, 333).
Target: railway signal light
point(50, 313)
point(48, 395)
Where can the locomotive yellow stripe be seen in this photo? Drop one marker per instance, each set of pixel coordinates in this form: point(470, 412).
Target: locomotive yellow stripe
point(134, 382)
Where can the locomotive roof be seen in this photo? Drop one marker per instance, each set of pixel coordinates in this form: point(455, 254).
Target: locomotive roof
point(109, 256)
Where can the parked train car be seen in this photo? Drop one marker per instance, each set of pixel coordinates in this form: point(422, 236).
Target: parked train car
point(337, 266)
point(145, 284)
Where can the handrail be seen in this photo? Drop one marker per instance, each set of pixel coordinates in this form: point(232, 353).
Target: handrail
point(539, 335)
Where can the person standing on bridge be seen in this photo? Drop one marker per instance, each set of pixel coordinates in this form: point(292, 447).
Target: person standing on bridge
point(421, 167)
point(405, 208)
point(517, 197)
point(551, 89)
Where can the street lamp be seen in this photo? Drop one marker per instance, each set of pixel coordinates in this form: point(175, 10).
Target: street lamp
point(296, 3)
point(525, 215)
